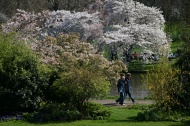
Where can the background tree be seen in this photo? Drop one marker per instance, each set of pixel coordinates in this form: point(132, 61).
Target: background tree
point(38, 6)
point(184, 66)
point(173, 10)
point(143, 26)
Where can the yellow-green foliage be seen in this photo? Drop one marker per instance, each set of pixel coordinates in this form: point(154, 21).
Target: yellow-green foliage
point(163, 82)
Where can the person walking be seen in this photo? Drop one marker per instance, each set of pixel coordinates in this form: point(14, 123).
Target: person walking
point(121, 89)
point(128, 86)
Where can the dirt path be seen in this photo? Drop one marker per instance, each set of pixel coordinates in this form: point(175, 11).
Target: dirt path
point(111, 102)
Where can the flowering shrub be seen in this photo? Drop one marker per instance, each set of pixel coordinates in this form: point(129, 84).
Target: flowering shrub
point(85, 73)
point(67, 49)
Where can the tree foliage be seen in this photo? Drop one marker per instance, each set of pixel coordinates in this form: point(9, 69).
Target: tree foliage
point(169, 87)
point(164, 85)
point(173, 10)
point(38, 6)
point(184, 66)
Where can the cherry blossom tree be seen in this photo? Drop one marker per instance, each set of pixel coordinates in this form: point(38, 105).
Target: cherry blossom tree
point(121, 23)
point(132, 23)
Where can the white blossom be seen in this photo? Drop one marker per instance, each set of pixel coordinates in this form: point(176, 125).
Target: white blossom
point(117, 22)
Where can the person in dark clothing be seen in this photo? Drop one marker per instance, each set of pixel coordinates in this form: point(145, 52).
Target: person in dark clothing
point(128, 86)
point(179, 51)
point(113, 54)
point(121, 89)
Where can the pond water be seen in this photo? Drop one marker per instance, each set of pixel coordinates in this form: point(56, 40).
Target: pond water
point(139, 89)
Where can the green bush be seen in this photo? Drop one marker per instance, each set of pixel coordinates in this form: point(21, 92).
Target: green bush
point(163, 82)
point(96, 111)
point(154, 114)
point(61, 112)
point(52, 112)
point(22, 77)
point(184, 78)
point(79, 84)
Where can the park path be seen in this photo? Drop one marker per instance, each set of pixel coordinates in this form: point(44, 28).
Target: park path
point(111, 102)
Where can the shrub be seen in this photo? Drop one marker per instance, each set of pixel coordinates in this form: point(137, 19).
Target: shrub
point(96, 111)
point(78, 84)
point(82, 73)
point(155, 114)
point(61, 112)
point(163, 82)
point(52, 112)
point(22, 77)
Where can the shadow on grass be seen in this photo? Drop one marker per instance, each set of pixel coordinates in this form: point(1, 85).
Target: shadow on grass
point(133, 119)
point(185, 123)
point(110, 104)
point(129, 119)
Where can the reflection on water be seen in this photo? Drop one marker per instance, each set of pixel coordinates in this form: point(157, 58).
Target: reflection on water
point(139, 89)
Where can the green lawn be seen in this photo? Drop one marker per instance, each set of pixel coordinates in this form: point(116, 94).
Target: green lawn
point(119, 117)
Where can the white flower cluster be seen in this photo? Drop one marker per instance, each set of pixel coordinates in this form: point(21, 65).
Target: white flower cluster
point(79, 22)
point(132, 23)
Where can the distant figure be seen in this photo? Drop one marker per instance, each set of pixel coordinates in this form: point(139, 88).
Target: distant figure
point(145, 58)
point(128, 86)
point(135, 55)
point(170, 57)
point(179, 51)
point(128, 56)
point(113, 54)
point(154, 57)
point(121, 89)
point(55, 6)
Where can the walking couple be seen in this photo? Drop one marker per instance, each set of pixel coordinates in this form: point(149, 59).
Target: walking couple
point(123, 86)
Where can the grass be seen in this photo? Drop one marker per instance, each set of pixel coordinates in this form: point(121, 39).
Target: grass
point(175, 45)
point(119, 117)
